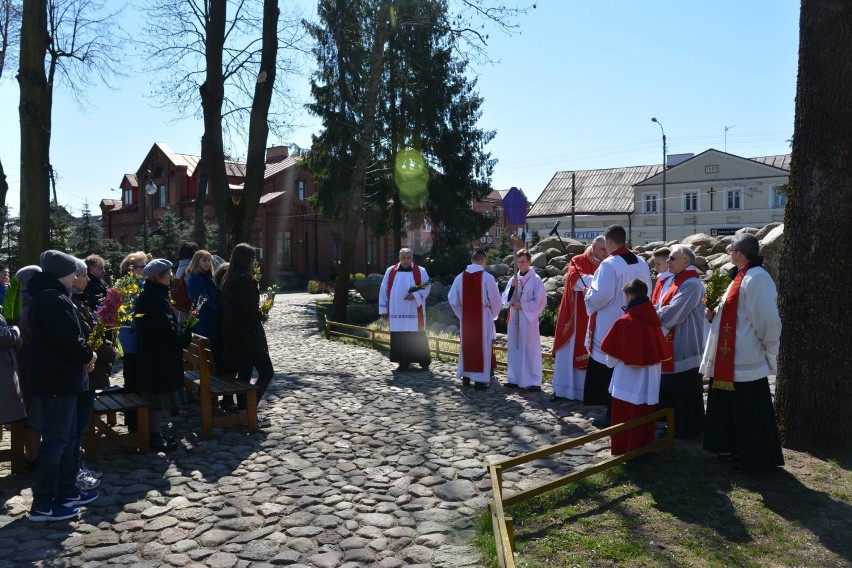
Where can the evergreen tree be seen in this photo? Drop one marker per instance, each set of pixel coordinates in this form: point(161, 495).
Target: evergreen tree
point(172, 232)
point(61, 229)
point(87, 234)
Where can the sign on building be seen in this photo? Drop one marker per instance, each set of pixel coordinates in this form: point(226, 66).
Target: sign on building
point(582, 235)
point(722, 231)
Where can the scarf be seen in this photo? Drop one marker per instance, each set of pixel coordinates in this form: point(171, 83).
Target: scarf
point(415, 271)
point(572, 315)
point(658, 289)
point(723, 371)
point(623, 252)
point(668, 364)
point(471, 324)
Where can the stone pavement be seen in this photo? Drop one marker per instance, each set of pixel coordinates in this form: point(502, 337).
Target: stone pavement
point(360, 467)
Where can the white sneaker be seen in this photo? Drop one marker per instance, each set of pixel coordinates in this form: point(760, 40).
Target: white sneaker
point(87, 482)
point(90, 472)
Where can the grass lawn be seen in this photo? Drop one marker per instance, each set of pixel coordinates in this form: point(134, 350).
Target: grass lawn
point(689, 510)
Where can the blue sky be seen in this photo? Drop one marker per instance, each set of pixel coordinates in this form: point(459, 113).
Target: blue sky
point(575, 89)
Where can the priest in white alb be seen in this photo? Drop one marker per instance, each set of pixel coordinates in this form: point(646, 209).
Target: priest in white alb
point(402, 300)
point(476, 301)
point(526, 298)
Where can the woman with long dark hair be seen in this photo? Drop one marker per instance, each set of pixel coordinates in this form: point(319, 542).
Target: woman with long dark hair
point(244, 346)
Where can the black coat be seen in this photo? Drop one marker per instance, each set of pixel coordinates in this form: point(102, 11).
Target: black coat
point(59, 353)
point(161, 340)
point(96, 289)
point(107, 354)
point(242, 323)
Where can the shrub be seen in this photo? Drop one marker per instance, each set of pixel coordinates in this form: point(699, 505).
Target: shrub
point(356, 276)
point(317, 287)
point(547, 322)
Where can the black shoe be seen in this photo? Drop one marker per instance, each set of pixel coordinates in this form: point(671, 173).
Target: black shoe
point(160, 444)
point(509, 385)
point(557, 398)
point(402, 367)
point(534, 388)
point(229, 408)
point(480, 386)
point(727, 456)
point(424, 366)
point(466, 381)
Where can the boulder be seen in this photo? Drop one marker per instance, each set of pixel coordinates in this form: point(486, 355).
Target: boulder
point(359, 314)
point(554, 252)
point(700, 262)
point(369, 287)
point(551, 242)
point(539, 260)
point(715, 261)
point(552, 284)
point(750, 230)
point(502, 281)
point(552, 270)
point(499, 269)
point(560, 262)
point(540, 272)
point(761, 234)
point(770, 250)
point(700, 240)
point(509, 260)
point(439, 291)
point(442, 313)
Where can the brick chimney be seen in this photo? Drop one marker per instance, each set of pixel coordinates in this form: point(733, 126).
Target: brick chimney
point(275, 154)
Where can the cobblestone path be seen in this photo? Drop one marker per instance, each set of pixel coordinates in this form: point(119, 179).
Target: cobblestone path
point(360, 467)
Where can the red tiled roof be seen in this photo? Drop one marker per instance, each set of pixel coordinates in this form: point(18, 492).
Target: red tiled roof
point(276, 167)
point(271, 196)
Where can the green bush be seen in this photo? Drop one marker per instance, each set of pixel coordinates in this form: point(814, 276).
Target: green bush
point(356, 276)
point(547, 322)
point(317, 287)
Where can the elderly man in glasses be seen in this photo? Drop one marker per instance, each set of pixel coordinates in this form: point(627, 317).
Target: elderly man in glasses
point(681, 311)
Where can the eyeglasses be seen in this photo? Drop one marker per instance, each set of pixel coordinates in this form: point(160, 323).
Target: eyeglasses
point(674, 258)
point(732, 249)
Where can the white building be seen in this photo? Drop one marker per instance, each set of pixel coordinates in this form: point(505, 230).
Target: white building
point(714, 193)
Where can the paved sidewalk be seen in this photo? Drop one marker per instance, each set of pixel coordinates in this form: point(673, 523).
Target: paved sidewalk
point(360, 467)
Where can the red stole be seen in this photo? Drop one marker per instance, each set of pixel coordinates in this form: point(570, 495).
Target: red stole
point(723, 372)
point(668, 364)
point(636, 338)
point(472, 353)
point(415, 271)
point(658, 289)
point(590, 337)
point(572, 311)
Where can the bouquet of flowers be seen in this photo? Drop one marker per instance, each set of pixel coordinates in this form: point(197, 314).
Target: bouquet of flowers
point(129, 287)
point(267, 300)
point(256, 271)
point(106, 318)
point(716, 284)
point(192, 319)
point(420, 286)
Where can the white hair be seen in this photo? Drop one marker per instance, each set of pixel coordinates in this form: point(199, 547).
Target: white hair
point(599, 238)
point(405, 251)
point(690, 255)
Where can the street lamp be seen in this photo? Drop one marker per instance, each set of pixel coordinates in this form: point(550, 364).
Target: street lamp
point(150, 189)
point(664, 176)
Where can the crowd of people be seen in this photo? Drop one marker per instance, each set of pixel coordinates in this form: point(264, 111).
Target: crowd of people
point(58, 353)
point(621, 341)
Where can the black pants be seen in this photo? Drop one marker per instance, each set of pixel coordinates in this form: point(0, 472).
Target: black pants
point(131, 385)
point(596, 390)
point(263, 364)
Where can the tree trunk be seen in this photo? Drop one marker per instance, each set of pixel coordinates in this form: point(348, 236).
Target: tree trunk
point(35, 116)
point(246, 210)
point(4, 211)
point(814, 393)
point(353, 213)
point(199, 227)
point(212, 144)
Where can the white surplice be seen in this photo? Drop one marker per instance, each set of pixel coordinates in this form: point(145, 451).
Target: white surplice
point(524, 339)
point(491, 305)
point(605, 296)
point(636, 385)
point(569, 382)
point(402, 313)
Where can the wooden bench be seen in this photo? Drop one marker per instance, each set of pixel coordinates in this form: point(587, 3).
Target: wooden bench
point(201, 383)
point(101, 432)
point(15, 452)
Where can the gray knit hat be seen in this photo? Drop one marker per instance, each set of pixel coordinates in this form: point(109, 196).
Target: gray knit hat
point(58, 264)
point(81, 267)
point(156, 267)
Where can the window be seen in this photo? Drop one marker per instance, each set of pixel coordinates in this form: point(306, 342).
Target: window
point(127, 197)
point(427, 227)
point(690, 201)
point(498, 212)
point(372, 250)
point(499, 232)
point(284, 253)
point(733, 199)
point(161, 196)
point(712, 169)
point(779, 198)
point(651, 202)
point(335, 250)
point(300, 189)
point(159, 173)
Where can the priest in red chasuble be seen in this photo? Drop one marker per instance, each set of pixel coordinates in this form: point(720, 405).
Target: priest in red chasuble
point(476, 301)
point(402, 299)
point(569, 340)
point(634, 349)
